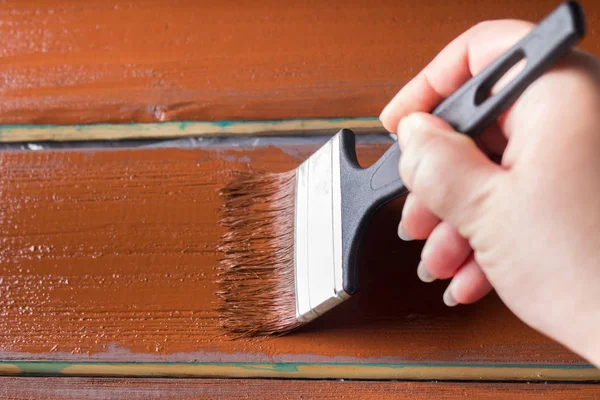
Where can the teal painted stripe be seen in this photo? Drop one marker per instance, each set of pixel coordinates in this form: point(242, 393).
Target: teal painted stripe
point(223, 124)
point(183, 125)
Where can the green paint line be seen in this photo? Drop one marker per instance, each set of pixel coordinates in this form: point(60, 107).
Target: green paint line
point(183, 125)
point(41, 368)
point(439, 371)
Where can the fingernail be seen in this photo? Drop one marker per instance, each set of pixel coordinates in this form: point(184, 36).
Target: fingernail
point(402, 233)
point(449, 300)
point(423, 274)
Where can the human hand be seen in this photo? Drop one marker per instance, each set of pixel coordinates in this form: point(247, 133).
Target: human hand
point(528, 227)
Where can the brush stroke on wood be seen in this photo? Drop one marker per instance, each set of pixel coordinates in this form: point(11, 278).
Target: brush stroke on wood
point(110, 256)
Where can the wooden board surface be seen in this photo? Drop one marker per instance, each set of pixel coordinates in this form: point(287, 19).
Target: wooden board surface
point(181, 389)
point(67, 62)
point(109, 256)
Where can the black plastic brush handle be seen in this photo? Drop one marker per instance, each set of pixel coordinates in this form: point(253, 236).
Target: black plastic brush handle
point(470, 110)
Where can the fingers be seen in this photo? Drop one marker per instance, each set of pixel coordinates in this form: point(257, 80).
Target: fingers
point(464, 57)
point(451, 175)
point(446, 171)
point(417, 221)
point(443, 254)
point(447, 255)
point(468, 285)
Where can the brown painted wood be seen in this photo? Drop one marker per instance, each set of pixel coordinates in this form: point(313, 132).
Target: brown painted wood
point(110, 256)
point(181, 389)
point(70, 62)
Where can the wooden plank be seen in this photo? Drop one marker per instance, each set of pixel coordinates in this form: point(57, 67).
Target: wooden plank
point(32, 133)
point(180, 389)
point(109, 256)
point(168, 60)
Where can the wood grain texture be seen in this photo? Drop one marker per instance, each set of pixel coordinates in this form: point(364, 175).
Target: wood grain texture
point(182, 389)
point(110, 256)
point(67, 62)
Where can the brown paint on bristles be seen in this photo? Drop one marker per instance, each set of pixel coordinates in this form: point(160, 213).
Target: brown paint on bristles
point(256, 272)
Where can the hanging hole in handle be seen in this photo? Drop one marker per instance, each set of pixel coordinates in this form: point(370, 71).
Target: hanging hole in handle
point(506, 73)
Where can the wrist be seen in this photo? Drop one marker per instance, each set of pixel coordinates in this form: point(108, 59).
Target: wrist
point(583, 332)
point(590, 344)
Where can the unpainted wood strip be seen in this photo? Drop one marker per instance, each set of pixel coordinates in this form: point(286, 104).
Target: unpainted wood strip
point(171, 60)
point(183, 389)
point(33, 133)
point(109, 256)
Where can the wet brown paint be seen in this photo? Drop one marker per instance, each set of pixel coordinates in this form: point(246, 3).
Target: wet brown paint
point(69, 62)
point(111, 255)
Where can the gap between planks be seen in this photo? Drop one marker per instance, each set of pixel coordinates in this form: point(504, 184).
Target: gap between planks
point(178, 129)
point(311, 371)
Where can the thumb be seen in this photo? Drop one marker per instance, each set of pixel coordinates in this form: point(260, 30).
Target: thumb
point(446, 171)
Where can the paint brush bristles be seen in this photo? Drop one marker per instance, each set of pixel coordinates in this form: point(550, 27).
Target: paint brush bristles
point(256, 272)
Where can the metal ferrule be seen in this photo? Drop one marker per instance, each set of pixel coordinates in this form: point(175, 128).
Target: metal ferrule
point(318, 233)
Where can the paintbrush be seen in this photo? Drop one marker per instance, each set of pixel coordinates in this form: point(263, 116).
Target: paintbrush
point(292, 239)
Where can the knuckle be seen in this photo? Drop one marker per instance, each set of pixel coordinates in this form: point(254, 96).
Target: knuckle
point(413, 155)
point(428, 168)
point(404, 124)
point(435, 179)
point(478, 201)
point(409, 129)
point(483, 26)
